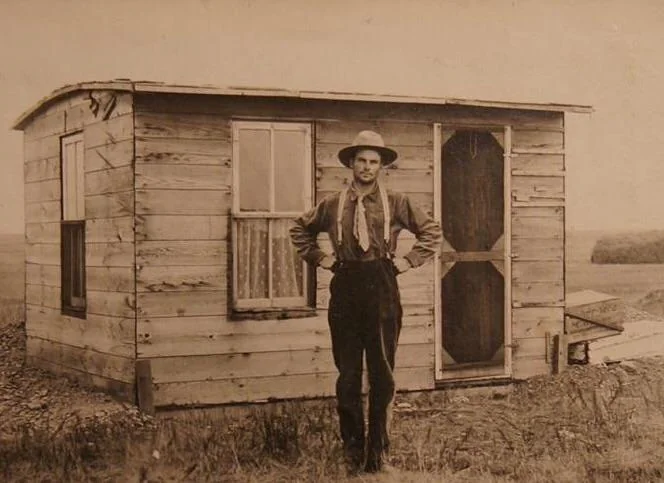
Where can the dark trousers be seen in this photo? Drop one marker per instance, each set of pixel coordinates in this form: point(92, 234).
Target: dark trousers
point(365, 317)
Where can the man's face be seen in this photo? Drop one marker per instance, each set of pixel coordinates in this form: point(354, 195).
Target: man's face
point(366, 166)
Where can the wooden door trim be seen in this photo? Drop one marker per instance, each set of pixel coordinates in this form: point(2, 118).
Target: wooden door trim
point(438, 140)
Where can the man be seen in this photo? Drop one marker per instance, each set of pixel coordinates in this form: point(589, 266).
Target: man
point(364, 315)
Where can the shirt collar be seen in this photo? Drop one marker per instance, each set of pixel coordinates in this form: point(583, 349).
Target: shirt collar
point(354, 195)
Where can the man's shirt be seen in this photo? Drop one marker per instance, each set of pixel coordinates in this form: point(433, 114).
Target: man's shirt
point(403, 215)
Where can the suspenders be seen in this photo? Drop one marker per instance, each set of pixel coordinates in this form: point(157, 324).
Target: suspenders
point(386, 215)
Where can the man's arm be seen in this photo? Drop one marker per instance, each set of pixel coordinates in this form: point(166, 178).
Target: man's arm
point(304, 233)
point(426, 230)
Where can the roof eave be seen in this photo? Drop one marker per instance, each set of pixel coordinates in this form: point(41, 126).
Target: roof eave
point(157, 87)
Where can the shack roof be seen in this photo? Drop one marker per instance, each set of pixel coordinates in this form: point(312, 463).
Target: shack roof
point(160, 87)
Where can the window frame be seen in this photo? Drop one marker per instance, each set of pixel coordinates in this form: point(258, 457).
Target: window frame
point(72, 227)
point(271, 306)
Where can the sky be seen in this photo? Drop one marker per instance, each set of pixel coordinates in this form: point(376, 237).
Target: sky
point(604, 53)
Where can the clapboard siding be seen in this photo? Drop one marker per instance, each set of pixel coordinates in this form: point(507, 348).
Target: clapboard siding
point(42, 170)
point(538, 252)
point(204, 335)
point(277, 387)
point(99, 349)
point(104, 334)
point(42, 232)
point(113, 155)
point(90, 361)
point(182, 227)
point(110, 230)
point(268, 364)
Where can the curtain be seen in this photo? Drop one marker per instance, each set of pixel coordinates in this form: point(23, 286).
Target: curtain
point(252, 260)
point(286, 264)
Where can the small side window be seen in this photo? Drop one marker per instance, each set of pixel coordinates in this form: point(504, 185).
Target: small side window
point(72, 227)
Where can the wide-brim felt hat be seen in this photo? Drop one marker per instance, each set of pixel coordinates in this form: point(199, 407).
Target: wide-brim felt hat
point(368, 140)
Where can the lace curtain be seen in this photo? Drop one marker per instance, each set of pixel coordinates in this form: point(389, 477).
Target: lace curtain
point(253, 260)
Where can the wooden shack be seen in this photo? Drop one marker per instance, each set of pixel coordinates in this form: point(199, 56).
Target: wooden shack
point(156, 237)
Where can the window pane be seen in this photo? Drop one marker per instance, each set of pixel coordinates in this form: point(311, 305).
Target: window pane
point(289, 163)
point(252, 259)
point(287, 267)
point(254, 166)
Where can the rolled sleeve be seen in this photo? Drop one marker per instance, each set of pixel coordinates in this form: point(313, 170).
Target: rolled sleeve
point(304, 233)
point(426, 230)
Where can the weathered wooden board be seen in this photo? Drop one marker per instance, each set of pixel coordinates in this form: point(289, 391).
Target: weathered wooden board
point(42, 232)
point(183, 253)
point(109, 156)
point(109, 180)
point(42, 253)
point(525, 225)
point(534, 348)
point(183, 151)
point(116, 304)
point(184, 126)
point(181, 278)
point(538, 188)
point(80, 114)
point(113, 131)
point(403, 180)
point(537, 271)
point(44, 148)
point(410, 157)
point(119, 254)
point(531, 249)
point(41, 170)
point(43, 296)
point(540, 294)
point(123, 391)
point(538, 163)
point(66, 102)
point(183, 176)
point(90, 361)
point(537, 139)
point(526, 368)
point(182, 336)
point(42, 191)
point(110, 279)
point(586, 306)
point(268, 364)
point(183, 202)
point(44, 125)
point(109, 205)
point(110, 335)
point(174, 304)
point(37, 274)
point(43, 211)
point(182, 227)
point(279, 387)
point(394, 133)
point(109, 230)
point(529, 322)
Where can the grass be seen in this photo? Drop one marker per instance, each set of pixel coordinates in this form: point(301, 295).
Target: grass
point(596, 424)
point(552, 429)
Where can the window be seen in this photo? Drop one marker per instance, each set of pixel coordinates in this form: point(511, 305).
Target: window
point(271, 186)
point(72, 227)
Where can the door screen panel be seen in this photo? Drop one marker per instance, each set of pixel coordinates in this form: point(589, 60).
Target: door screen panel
point(472, 262)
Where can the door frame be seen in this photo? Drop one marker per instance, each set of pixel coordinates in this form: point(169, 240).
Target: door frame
point(439, 130)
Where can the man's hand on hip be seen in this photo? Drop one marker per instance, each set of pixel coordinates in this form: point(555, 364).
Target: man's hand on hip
point(401, 264)
point(327, 262)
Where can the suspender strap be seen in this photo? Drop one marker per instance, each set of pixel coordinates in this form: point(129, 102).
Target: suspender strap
point(386, 213)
